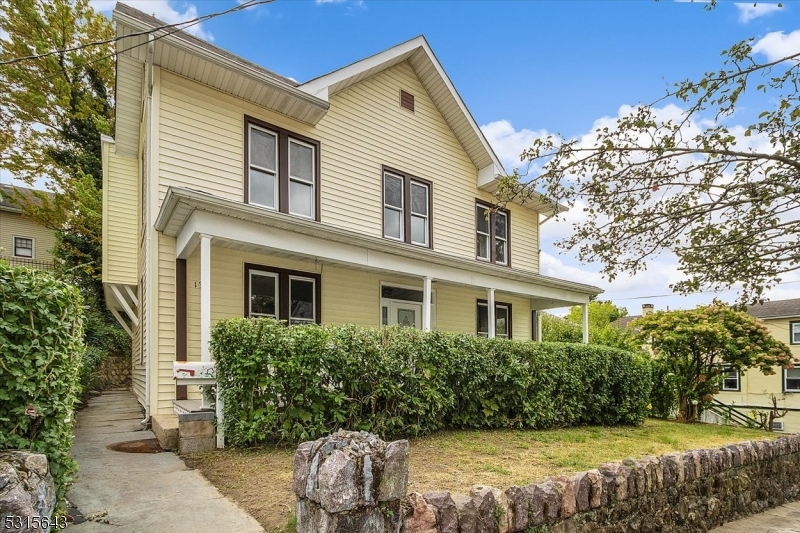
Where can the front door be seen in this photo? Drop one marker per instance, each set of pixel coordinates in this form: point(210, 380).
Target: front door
point(406, 314)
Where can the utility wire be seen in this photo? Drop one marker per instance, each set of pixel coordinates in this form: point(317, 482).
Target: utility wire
point(690, 294)
point(179, 26)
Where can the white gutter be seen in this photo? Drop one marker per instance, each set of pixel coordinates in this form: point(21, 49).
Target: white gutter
point(148, 245)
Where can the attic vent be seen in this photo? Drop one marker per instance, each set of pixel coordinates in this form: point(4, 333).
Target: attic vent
point(406, 100)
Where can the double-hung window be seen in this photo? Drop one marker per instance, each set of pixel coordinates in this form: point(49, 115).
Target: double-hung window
point(794, 332)
point(502, 319)
point(282, 170)
point(281, 294)
point(492, 234)
point(23, 247)
point(730, 379)
point(791, 379)
point(406, 208)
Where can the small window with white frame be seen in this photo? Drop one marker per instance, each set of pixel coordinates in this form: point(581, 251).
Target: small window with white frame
point(264, 294)
point(406, 208)
point(791, 379)
point(23, 247)
point(263, 172)
point(731, 379)
point(301, 178)
point(502, 319)
point(794, 332)
point(302, 298)
point(492, 234)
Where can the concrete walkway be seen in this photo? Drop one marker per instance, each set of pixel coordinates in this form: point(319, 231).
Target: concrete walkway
point(135, 492)
point(783, 519)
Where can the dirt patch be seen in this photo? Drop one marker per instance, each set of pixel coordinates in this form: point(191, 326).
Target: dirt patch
point(259, 479)
point(137, 446)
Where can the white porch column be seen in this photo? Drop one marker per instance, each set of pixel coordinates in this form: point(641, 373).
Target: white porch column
point(205, 297)
point(585, 323)
point(426, 304)
point(539, 326)
point(492, 319)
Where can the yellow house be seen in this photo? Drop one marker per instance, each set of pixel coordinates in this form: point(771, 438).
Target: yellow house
point(362, 196)
point(752, 390)
point(23, 242)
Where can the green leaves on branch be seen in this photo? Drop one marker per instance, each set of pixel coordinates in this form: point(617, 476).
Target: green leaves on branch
point(297, 383)
point(41, 351)
point(724, 200)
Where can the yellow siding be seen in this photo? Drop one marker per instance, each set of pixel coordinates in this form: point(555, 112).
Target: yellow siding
point(120, 220)
point(757, 388)
point(14, 224)
point(202, 146)
point(129, 96)
point(165, 343)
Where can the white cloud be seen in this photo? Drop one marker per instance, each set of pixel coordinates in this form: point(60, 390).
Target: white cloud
point(509, 143)
point(776, 45)
point(752, 10)
point(162, 10)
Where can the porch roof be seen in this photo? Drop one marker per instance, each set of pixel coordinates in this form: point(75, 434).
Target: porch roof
point(187, 214)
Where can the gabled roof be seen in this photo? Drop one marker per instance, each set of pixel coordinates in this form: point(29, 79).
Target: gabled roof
point(7, 192)
point(776, 309)
point(623, 323)
point(418, 53)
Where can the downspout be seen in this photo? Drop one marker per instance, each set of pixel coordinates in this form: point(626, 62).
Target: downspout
point(148, 210)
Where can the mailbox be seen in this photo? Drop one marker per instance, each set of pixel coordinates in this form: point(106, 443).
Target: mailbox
point(194, 372)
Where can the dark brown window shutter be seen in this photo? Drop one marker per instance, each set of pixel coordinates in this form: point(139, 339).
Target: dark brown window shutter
point(406, 100)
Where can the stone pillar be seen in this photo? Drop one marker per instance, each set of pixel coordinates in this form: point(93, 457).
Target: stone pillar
point(350, 482)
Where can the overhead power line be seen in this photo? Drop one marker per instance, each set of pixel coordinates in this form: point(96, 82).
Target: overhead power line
point(690, 294)
point(178, 26)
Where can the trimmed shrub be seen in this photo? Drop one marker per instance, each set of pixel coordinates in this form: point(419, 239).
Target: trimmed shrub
point(292, 383)
point(41, 347)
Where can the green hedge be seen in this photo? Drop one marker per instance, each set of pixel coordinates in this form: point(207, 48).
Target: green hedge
point(284, 383)
point(41, 347)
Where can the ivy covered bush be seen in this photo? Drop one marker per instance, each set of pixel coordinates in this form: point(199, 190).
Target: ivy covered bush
point(282, 383)
point(41, 348)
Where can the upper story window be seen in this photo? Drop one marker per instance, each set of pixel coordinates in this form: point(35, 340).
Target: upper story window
point(282, 170)
point(23, 247)
point(406, 208)
point(794, 332)
point(492, 234)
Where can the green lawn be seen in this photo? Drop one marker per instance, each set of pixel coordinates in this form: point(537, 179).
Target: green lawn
point(259, 479)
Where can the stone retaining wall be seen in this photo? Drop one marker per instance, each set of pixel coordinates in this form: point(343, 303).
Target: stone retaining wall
point(114, 372)
point(689, 492)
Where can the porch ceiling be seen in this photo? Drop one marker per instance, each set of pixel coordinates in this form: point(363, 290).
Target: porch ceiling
point(186, 214)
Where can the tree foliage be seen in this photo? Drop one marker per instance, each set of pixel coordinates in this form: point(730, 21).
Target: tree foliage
point(52, 112)
point(601, 330)
point(696, 346)
point(724, 199)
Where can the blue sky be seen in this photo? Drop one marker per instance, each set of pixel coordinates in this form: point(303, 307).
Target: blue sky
point(522, 67)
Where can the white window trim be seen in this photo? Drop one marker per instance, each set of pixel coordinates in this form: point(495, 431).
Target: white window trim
point(508, 319)
point(313, 319)
point(252, 165)
point(14, 247)
point(313, 181)
point(792, 325)
point(486, 210)
point(418, 215)
point(276, 279)
point(386, 301)
point(505, 240)
point(726, 375)
point(401, 209)
point(786, 377)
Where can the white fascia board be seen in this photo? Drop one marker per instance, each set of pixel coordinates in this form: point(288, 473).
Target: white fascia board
point(273, 239)
point(317, 85)
point(227, 63)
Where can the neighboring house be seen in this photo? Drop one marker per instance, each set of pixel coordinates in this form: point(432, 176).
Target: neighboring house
point(362, 196)
point(624, 322)
point(23, 242)
point(751, 390)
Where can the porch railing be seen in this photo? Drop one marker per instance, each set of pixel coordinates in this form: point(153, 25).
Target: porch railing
point(29, 263)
